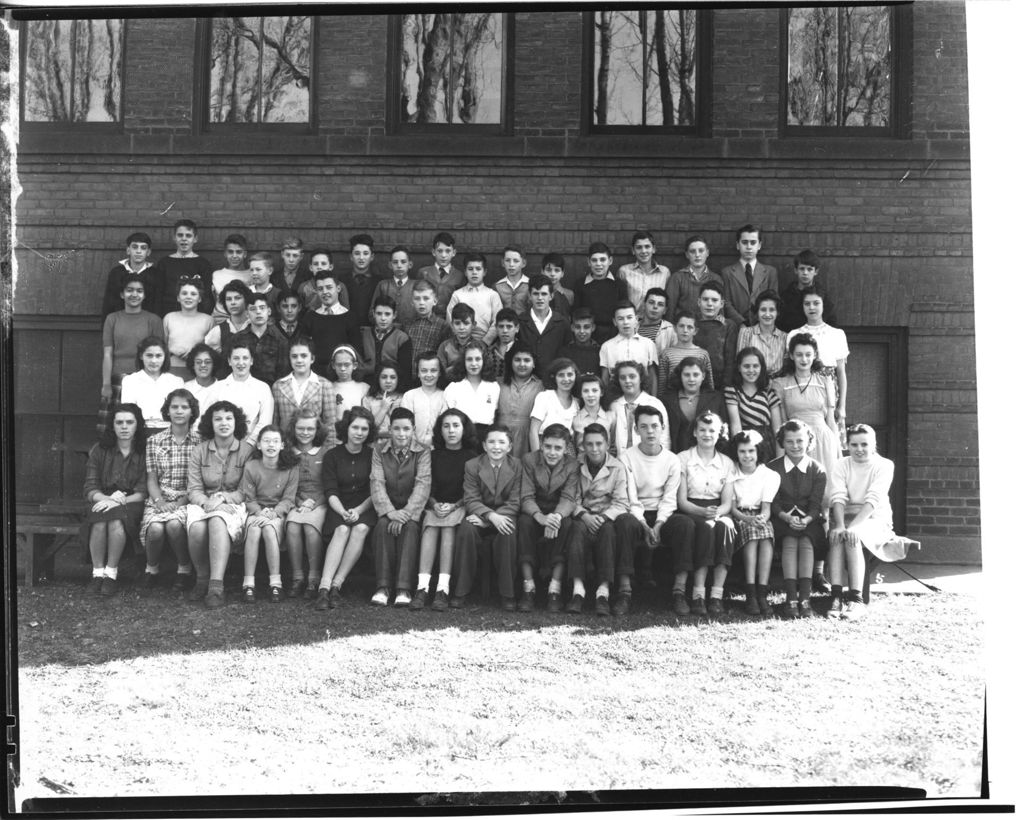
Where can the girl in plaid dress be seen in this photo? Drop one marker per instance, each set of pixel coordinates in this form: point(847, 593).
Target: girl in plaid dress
point(163, 519)
point(754, 488)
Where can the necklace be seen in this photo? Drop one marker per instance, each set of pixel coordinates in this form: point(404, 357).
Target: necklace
point(806, 384)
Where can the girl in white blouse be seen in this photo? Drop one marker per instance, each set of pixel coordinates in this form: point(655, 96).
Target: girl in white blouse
point(861, 518)
point(556, 405)
point(474, 390)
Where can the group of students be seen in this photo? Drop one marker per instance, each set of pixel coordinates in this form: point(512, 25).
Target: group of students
point(716, 432)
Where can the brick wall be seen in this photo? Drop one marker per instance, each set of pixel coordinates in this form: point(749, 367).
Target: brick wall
point(891, 218)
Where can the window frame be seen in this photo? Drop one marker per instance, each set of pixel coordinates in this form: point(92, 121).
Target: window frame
point(394, 125)
point(900, 34)
point(69, 125)
point(201, 94)
point(702, 89)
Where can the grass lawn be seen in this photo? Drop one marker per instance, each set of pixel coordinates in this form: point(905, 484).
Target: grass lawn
point(138, 697)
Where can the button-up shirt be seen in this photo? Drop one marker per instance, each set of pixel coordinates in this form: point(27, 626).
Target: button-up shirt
point(704, 479)
point(605, 492)
point(638, 281)
point(208, 473)
point(167, 459)
point(515, 296)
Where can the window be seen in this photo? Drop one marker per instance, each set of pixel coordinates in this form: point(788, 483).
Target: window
point(259, 70)
point(841, 70)
point(452, 71)
point(73, 71)
point(646, 70)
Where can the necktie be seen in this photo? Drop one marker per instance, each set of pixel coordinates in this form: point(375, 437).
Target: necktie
point(750, 278)
point(630, 407)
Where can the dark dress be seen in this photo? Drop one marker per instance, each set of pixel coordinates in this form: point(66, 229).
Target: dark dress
point(107, 471)
point(347, 476)
point(681, 430)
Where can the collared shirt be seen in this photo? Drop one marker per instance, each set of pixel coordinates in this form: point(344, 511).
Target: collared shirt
point(623, 438)
point(269, 352)
point(584, 418)
point(604, 492)
point(638, 281)
point(800, 465)
point(479, 403)
point(704, 479)
point(426, 407)
point(486, 302)
point(253, 396)
point(108, 470)
point(548, 489)
point(208, 473)
point(400, 483)
point(337, 309)
point(426, 334)
point(754, 489)
point(168, 459)
point(541, 323)
point(515, 296)
point(772, 347)
point(628, 348)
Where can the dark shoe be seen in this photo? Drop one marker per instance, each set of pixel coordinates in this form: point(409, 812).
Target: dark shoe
point(198, 593)
point(248, 595)
point(819, 583)
point(620, 606)
point(679, 605)
point(509, 604)
point(94, 586)
point(148, 583)
point(322, 601)
point(108, 587)
point(805, 610)
point(275, 595)
point(181, 581)
point(835, 609)
point(526, 602)
point(601, 607)
point(646, 579)
point(457, 602)
point(334, 597)
point(788, 611)
point(698, 608)
point(419, 600)
point(715, 608)
point(575, 606)
point(440, 601)
point(752, 608)
point(295, 590)
point(311, 593)
point(214, 600)
point(764, 606)
point(554, 602)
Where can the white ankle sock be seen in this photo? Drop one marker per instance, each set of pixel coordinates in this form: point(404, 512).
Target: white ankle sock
point(184, 569)
point(97, 573)
point(555, 587)
point(248, 581)
point(443, 580)
point(423, 580)
point(528, 585)
point(602, 590)
point(275, 581)
point(578, 588)
point(716, 592)
point(152, 569)
point(110, 572)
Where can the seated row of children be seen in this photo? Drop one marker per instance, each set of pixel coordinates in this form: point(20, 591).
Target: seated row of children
point(551, 516)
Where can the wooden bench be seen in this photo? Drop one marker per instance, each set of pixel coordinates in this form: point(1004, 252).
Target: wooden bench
point(59, 519)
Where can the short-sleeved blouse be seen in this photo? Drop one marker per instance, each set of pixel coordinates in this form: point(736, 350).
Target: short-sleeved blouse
point(755, 411)
point(755, 489)
point(347, 475)
point(772, 347)
point(704, 480)
point(547, 408)
point(479, 403)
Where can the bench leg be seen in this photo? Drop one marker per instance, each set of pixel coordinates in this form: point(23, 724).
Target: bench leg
point(871, 563)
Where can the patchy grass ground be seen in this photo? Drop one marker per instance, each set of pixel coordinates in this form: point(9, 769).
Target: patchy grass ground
point(155, 696)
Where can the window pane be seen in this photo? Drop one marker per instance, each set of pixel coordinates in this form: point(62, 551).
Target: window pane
point(48, 71)
point(286, 69)
point(234, 69)
point(425, 67)
point(813, 66)
point(618, 68)
point(98, 71)
point(868, 61)
point(476, 68)
point(671, 67)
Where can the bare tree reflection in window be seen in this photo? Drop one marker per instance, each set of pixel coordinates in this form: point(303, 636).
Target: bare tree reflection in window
point(259, 69)
point(645, 67)
point(452, 68)
point(840, 66)
point(73, 70)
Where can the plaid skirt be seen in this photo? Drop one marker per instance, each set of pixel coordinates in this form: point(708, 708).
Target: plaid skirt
point(754, 532)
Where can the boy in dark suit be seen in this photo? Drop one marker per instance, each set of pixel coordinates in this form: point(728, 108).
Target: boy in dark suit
point(543, 330)
point(746, 278)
